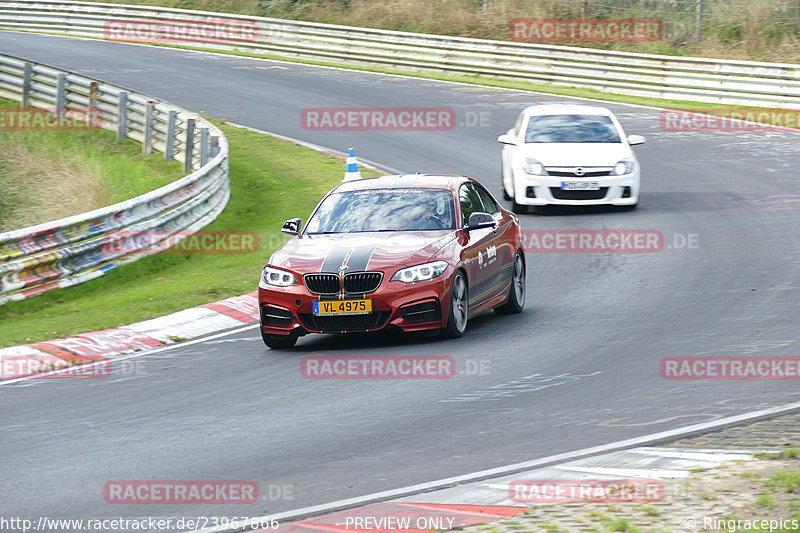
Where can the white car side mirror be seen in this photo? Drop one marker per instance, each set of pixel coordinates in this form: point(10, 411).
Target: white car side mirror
point(507, 139)
point(633, 140)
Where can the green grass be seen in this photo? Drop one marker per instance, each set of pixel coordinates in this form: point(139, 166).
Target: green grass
point(126, 172)
point(271, 181)
point(34, 167)
point(766, 500)
point(767, 455)
point(789, 481)
point(651, 510)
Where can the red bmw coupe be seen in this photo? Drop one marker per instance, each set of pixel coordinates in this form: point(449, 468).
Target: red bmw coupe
point(417, 252)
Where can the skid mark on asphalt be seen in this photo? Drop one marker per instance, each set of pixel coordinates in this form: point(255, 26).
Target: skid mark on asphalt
point(239, 339)
point(532, 383)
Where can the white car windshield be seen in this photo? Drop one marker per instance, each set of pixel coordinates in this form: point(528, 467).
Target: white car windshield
point(384, 210)
point(571, 129)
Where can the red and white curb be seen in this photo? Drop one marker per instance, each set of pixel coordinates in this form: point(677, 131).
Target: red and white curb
point(105, 345)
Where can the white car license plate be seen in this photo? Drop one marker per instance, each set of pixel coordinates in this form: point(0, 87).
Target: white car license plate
point(580, 186)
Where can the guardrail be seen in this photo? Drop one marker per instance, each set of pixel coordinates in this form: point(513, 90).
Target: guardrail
point(75, 249)
point(695, 79)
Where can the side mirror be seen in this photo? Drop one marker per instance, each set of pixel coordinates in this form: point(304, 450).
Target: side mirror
point(478, 220)
point(292, 226)
point(633, 140)
point(507, 139)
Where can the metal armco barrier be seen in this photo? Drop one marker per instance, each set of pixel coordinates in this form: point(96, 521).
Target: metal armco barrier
point(75, 249)
point(696, 79)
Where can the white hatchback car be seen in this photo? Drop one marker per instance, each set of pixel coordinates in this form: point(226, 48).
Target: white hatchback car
point(569, 155)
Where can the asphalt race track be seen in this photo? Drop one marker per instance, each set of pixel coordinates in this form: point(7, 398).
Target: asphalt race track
point(579, 367)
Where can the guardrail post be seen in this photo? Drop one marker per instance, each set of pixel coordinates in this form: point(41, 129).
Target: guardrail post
point(203, 146)
point(147, 144)
point(93, 93)
point(214, 145)
point(187, 162)
point(122, 117)
point(698, 30)
point(169, 143)
point(26, 85)
point(61, 93)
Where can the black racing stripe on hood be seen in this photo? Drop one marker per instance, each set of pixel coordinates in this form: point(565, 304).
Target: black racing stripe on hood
point(359, 258)
point(335, 259)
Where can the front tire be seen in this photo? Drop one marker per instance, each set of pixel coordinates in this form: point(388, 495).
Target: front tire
point(459, 308)
point(279, 342)
point(506, 196)
point(516, 293)
point(518, 209)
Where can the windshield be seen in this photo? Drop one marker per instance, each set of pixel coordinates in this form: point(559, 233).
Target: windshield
point(384, 210)
point(571, 129)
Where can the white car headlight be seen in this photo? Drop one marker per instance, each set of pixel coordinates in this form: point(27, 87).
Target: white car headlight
point(422, 272)
point(623, 167)
point(277, 277)
point(534, 167)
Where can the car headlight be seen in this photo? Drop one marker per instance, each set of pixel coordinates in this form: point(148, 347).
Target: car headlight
point(277, 277)
point(623, 167)
point(534, 167)
point(422, 272)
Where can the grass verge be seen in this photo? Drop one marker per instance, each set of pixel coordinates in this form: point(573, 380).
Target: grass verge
point(271, 180)
point(47, 175)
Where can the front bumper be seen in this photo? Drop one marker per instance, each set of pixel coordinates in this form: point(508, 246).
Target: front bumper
point(546, 190)
point(411, 307)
